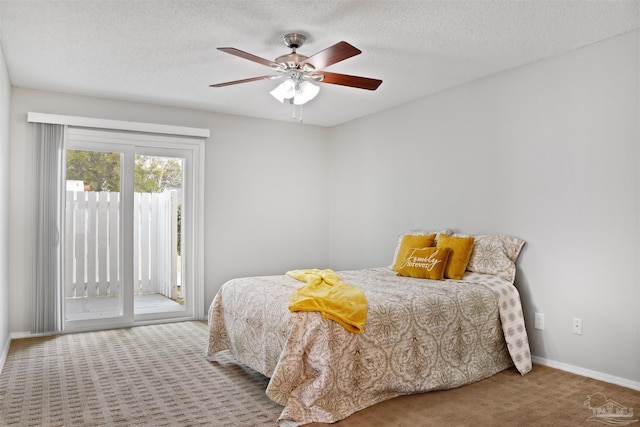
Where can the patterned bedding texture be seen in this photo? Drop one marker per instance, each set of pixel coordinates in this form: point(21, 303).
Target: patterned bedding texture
point(420, 335)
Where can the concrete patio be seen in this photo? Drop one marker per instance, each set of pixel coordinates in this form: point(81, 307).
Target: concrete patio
point(104, 307)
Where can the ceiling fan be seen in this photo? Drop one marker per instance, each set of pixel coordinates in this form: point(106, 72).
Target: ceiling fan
point(300, 70)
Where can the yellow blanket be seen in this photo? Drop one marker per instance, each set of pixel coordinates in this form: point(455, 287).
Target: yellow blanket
point(327, 293)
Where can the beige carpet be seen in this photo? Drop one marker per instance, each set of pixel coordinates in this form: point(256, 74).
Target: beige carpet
point(157, 376)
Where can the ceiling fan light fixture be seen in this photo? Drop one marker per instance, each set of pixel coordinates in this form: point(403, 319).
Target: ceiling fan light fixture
point(300, 93)
point(305, 92)
point(285, 90)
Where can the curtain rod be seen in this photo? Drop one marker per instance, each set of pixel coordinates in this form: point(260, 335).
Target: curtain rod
point(90, 122)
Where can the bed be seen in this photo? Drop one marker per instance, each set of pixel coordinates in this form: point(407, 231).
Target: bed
point(420, 335)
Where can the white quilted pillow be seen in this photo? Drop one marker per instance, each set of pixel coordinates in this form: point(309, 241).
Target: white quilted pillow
point(495, 255)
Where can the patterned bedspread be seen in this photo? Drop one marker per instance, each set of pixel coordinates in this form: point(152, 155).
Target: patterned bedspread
point(420, 335)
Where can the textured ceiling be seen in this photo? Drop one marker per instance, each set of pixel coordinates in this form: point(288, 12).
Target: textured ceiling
point(164, 51)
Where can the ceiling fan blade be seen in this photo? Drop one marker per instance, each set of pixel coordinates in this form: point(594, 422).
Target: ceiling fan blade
point(252, 79)
point(250, 57)
point(352, 81)
point(336, 53)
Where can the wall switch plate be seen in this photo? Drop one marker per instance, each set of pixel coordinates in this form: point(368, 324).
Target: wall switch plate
point(539, 321)
point(577, 326)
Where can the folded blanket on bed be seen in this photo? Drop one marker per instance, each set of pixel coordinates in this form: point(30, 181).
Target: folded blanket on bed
point(327, 293)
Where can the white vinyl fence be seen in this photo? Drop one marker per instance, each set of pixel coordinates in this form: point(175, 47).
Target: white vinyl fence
point(92, 232)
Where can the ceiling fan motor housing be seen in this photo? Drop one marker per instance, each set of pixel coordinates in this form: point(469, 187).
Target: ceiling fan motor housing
point(293, 59)
point(294, 40)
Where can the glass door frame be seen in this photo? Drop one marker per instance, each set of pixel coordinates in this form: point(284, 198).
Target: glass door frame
point(129, 144)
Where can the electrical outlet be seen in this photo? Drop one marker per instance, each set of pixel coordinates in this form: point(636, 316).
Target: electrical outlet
point(539, 321)
point(577, 326)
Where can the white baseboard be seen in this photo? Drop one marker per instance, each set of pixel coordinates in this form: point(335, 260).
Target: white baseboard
point(635, 385)
point(5, 352)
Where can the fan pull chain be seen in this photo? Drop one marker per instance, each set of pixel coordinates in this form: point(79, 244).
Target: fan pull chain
point(296, 113)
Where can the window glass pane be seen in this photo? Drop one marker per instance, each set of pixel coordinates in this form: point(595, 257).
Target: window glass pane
point(158, 202)
point(92, 241)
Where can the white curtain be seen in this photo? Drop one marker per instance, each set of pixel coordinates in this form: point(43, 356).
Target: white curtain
point(48, 279)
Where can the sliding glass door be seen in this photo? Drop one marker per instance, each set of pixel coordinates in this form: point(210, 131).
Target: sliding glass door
point(129, 230)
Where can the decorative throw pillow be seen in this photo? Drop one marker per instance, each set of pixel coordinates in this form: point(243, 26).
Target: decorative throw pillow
point(425, 263)
point(461, 248)
point(496, 255)
point(411, 241)
point(415, 233)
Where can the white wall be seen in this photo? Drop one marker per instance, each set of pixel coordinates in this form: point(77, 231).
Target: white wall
point(5, 119)
point(548, 153)
point(266, 190)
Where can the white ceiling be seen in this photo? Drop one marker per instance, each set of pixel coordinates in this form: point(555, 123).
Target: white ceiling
point(164, 51)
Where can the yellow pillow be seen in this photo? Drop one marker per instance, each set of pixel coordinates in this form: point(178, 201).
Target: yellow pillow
point(461, 248)
point(425, 263)
point(412, 241)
